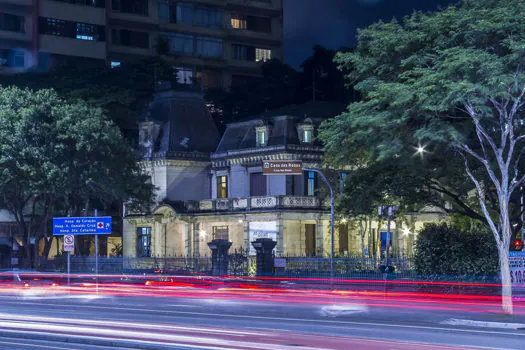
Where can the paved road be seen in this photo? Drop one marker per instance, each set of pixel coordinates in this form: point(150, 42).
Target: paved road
point(188, 318)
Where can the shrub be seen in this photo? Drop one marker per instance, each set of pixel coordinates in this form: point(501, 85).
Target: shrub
point(445, 250)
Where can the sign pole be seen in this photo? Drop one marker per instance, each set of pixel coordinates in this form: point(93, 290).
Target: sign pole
point(332, 219)
point(68, 271)
point(96, 255)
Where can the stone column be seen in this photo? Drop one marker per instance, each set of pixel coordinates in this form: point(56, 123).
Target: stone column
point(196, 239)
point(246, 243)
point(187, 241)
point(279, 249)
point(129, 239)
point(319, 236)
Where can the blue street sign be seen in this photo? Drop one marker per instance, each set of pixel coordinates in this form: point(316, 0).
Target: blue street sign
point(99, 225)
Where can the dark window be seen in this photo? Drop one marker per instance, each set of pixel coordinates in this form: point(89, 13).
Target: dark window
point(92, 3)
point(69, 29)
point(12, 23)
point(310, 183)
point(208, 47)
point(343, 238)
point(137, 7)
point(11, 58)
point(259, 24)
point(144, 242)
point(222, 187)
point(243, 52)
point(132, 38)
point(309, 239)
point(220, 232)
point(180, 43)
point(257, 184)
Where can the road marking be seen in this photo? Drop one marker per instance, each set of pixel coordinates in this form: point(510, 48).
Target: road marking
point(483, 324)
point(35, 345)
point(158, 311)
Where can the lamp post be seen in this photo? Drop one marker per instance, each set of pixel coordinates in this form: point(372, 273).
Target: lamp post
point(332, 216)
point(389, 212)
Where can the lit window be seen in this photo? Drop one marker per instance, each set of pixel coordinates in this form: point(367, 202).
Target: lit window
point(115, 64)
point(263, 55)
point(310, 183)
point(222, 187)
point(143, 242)
point(261, 137)
point(184, 76)
point(307, 136)
point(220, 232)
point(238, 21)
point(85, 31)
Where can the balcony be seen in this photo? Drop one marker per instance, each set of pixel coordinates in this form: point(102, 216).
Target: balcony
point(230, 205)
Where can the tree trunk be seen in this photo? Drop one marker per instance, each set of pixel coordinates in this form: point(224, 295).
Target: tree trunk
point(506, 285)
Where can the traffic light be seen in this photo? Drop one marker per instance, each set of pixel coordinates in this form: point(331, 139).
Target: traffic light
point(518, 244)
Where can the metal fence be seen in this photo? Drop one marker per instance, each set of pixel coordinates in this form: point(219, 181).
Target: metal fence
point(239, 265)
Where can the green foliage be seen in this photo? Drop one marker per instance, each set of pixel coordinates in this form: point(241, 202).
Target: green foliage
point(445, 250)
point(414, 78)
point(57, 157)
point(117, 249)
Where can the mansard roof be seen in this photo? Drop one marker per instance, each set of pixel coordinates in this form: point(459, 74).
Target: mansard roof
point(282, 125)
point(181, 123)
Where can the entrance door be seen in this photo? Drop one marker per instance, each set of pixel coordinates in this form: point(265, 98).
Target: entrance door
point(309, 239)
point(343, 238)
point(257, 185)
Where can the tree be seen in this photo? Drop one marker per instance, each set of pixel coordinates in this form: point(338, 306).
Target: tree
point(57, 157)
point(449, 83)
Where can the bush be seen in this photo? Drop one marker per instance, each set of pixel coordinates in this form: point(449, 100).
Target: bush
point(445, 250)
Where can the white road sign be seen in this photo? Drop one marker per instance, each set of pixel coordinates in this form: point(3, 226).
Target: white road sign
point(69, 243)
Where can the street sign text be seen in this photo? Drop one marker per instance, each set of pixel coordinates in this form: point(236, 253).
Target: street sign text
point(100, 225)
point(282, 167)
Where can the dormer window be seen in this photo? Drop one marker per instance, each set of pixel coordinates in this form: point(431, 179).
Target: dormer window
point(307, 135)
point(261, 133)
point(306, 131)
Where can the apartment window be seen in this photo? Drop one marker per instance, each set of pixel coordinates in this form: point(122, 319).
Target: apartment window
point(238, 21)
point(69, 29)
point(11, 58)
point(240, 52)
point(310, 183)
point(86, 31)
point(222, 187)
point(184, 76)
point(180, 43)
point(144, 242)
point(115, 64)
point(137, 7)
point(207, 17)
point(259, 24)
point(12, 23)
point(263, 55)
point(92, 3)
point(252, 23)
point(132, 38)
point(220, 232)
point(208, 47)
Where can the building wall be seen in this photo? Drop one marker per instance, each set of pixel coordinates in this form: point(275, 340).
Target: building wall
point(188, 183)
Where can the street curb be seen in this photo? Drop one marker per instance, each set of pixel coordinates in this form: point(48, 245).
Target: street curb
point(483, 324)
point(89, 340)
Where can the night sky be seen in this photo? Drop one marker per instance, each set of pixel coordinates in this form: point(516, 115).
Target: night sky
point(333, 23)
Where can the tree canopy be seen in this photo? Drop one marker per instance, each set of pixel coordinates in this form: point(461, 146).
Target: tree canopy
point(450, 85)
point(59, 157)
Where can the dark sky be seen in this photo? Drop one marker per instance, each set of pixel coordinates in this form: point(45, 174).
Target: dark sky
point(333, 23)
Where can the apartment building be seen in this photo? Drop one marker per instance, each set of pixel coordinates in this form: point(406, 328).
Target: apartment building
point(215, 43)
